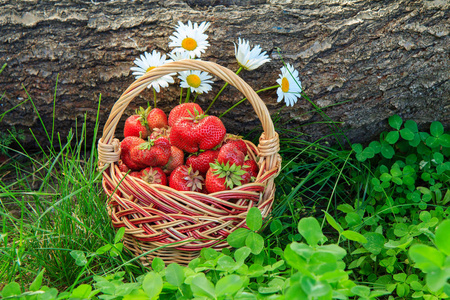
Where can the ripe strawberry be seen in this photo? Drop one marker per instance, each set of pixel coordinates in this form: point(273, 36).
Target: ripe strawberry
point(239, 143)
point(156, 118)
point(214, 183)
point(251, 167)
point(183, 178)
point(246, 178)
point(126, 145)
point(122, 166)
point(154, 175)
point(197, 133)
point(224, 177)
point(183, 110)
point(136, 174)
point(154, 153)
point(176, 159)
point(201, 162)
point(229, 153)
point(135, 125)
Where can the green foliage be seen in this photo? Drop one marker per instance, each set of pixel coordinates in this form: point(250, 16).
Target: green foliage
point(365, 223)
point(53, 215)
point(435, 262)
point(310, 270)
point(404, 196)
point(248, 237)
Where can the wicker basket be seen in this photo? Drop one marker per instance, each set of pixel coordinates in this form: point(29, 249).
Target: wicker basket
point(176, 225)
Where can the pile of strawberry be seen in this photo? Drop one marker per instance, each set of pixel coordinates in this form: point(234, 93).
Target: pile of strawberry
point(189, 151)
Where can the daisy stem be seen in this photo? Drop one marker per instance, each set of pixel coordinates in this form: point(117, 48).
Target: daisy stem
point(221, 90)
point(258, 91)
point(154, 98)
point(181, 95)
point(195, 98)
point(187, 95)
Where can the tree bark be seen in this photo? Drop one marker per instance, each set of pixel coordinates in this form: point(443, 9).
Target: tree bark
point(359, 61)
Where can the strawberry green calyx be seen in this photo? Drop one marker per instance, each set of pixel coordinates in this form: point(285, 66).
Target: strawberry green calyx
point(151, 175)
point(196, 116)
point(184, 178)
point(194, 181)
point(183, 110)
point(143, 113)
point(232, 174)
point(147, 145)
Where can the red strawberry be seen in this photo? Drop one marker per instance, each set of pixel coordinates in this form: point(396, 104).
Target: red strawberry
point(246, 178)
point(198, 133)
point(176, 159)
point(122, 166)
point(153, 153)
point(154, 175)
point(224, 177)
point(129, 142)
point(135, 125)
point(229, 153)
point(201, 162)
point(125, 147)
point(240, 144)
point(182, 111)
point(136, 174)
point(251, 167)
point(213, 182)
point(183, 178)
point(156, 118)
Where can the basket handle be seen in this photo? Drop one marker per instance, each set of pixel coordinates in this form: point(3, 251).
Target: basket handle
point(108, 147)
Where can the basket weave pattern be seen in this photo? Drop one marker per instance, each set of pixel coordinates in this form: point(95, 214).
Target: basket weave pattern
point(176, 225)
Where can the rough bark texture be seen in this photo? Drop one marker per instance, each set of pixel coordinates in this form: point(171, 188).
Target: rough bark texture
point(361, 61)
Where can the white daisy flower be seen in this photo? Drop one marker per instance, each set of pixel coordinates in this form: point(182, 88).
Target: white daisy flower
point(198, 81)
point(149, 61)
point(290, 85)
point(249, 59)
point(179, 55)
point(190, 38)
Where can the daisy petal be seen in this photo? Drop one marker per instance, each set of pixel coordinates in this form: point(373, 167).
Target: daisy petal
point(249, 59)
point(290, 85)
point(149, 61)
point(190, 38)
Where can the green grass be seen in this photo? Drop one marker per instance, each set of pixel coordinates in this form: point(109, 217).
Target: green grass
point(54, 216)
point(52, 203)
point(53, 213)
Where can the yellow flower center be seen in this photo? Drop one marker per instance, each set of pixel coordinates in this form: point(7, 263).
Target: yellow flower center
point(285, 85)
point(150, 68)
point(193, 80)
point(189, 44)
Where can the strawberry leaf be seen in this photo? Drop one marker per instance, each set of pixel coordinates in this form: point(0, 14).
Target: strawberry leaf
point(237, 182)
point(190, 113)
point(221, 175)
point(240, 172)
point(147, 145)
point(229, 183)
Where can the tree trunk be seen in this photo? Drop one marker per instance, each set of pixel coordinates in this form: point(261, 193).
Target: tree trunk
point(359, 61)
